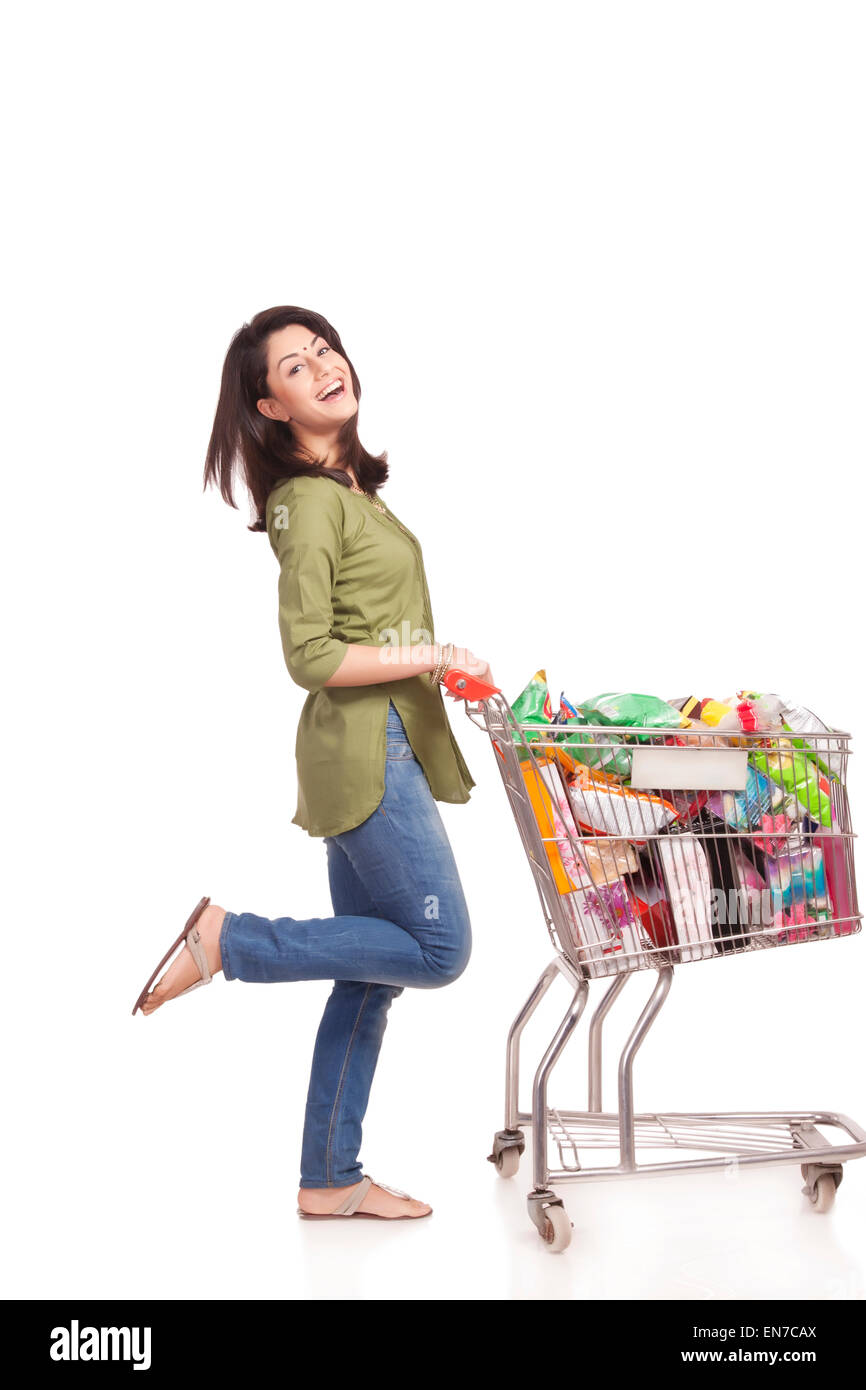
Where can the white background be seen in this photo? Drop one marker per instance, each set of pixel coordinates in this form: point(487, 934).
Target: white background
point(599, 268)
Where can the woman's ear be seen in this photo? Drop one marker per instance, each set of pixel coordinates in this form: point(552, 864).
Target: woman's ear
point(268, 408)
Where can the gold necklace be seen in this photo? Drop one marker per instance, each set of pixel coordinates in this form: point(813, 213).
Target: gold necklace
point(361, 493)
point(377, 504)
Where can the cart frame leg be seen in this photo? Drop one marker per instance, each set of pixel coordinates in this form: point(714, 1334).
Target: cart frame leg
point(512, 1047)
point(539, 1085)
point(512, 1136)
point(626, 1067)
point(594, 1097)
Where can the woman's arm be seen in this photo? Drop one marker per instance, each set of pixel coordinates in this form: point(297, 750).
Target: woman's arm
point(307, 536)
point(363, 665)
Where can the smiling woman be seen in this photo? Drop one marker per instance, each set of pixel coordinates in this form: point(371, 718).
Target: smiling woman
point(374, 747)
point(277, 372)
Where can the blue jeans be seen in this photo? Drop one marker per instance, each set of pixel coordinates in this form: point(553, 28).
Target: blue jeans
point(401, 920)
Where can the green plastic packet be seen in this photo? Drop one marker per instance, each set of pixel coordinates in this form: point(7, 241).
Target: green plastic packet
point(634, 711)
point(796, 719)
point(585, 747)
point(533, 706)
point(796, 773)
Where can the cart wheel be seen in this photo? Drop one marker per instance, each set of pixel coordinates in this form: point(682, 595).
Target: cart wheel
point(508, 1162)
point(557, 1229)
point(823, 1194)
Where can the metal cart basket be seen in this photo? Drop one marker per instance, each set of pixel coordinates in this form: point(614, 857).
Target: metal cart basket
point(652, 849)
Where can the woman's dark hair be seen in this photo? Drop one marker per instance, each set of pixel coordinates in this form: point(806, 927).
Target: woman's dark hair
point(244, 443)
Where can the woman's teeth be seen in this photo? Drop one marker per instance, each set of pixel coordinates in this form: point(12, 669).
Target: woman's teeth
point(333, 392)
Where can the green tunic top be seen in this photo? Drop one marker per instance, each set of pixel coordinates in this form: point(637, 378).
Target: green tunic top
point(348, 574)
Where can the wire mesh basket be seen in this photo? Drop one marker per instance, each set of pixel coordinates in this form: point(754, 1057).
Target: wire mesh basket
point(653, 848)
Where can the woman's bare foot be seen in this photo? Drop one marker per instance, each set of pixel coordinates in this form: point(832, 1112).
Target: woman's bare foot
point(318, 1201)
point(183, 970)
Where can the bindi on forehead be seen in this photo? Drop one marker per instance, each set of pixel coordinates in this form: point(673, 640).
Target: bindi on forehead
point(294, 354)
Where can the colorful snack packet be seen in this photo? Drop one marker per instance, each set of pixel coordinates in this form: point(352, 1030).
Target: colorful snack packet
point(776, 833)
point(783, 714)
point(687, 804)
point(587, 747)
point(798, 877)
point(793, 771)
point(607, 860)
point(602, 806)
point(606, 929)
point(633, 711)
point(583, 861)
point(533, 706)
point(686, 879)
point(744, 809)
point(653, 910)
point(802, 924)
point(719, 715)
point(568, 873)
point(837, 854)
point(758, 901)
point(764, 711)
point(829, 754)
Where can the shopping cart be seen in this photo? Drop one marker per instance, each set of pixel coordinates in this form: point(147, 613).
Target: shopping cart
point(652, 849)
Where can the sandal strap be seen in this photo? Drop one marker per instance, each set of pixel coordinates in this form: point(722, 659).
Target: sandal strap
point(197, 952)
point(395, 1191)
point(354, 1200)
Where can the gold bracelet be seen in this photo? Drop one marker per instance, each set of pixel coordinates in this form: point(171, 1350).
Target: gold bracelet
point(444, 662)
point(434, 674)
point(437, 657)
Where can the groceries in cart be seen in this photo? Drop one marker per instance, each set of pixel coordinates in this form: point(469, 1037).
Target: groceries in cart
point(692, 872)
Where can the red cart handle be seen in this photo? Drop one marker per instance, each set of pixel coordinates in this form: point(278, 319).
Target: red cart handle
point(468, 687)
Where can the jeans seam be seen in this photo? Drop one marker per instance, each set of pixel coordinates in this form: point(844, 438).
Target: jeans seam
point(339, 1095)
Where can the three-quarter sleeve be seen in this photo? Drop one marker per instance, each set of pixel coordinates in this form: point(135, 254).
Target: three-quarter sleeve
point(305, 528)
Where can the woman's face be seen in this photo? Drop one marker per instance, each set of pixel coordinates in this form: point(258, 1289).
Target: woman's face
point(301, 366)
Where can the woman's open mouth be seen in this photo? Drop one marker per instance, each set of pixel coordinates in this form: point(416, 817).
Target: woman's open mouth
point(334, 391)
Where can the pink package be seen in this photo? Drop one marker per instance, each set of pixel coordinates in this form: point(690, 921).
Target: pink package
point(687, 884)
point(563, 825)
point(839, 873)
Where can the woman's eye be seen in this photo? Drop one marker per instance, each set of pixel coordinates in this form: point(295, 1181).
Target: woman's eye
point(298, 365)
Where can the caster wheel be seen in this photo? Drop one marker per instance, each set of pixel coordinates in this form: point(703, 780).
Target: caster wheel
point(508, 1162)
point(823, 1194)
point(557, 1229)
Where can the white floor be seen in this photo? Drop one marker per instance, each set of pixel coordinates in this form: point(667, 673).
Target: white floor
point(158, 1158)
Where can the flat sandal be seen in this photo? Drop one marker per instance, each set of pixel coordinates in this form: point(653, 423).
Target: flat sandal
point(349, 1206)
point(192, 937)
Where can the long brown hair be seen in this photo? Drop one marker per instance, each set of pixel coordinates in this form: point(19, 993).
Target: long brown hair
point(246, 445)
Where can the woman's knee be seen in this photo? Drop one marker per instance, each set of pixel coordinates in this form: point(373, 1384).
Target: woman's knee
point(448, 961)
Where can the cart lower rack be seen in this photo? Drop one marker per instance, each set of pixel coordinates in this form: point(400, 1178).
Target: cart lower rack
point(651, 851)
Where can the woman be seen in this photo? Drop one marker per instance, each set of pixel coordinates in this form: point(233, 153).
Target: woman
point(374, 748)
